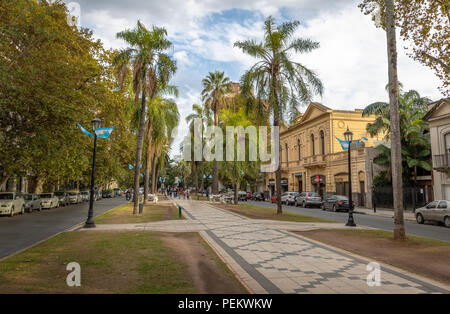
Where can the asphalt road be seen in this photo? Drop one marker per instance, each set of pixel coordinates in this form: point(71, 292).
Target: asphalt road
point(21, 231)
point(433, 231)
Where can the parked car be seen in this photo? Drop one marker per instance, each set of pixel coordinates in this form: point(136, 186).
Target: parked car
point(63, 198)
point(85, 196)
point(49, 200)
point(288, 198)
point(117, 192)
point(249, 196)
point(74, 197)
point(438, 210)
point(258, 196)
point(308, 199)
point(242, 196)
point(11, 203)
point(336, 203)
point(32, 202)
point(97, 195)
point(107, 194)
point(274, 198)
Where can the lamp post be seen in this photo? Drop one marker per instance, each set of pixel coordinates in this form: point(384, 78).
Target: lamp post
point(348, 135)
point(96, 123)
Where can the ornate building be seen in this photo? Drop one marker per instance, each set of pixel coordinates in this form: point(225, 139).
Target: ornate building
point(312, 159)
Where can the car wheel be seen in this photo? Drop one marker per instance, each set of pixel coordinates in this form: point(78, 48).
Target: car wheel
point(304, 204)
point(322, 207)
point(12, 212)
point(22, 211)
point(419, 219)
point(447, 221)
point(334, 208)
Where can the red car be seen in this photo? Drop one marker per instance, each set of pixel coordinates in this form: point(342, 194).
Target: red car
point(249, 195)
point(274, 198)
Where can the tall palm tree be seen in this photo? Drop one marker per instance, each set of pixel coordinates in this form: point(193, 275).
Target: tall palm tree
point(215, 86)
point(151, 67)
point(204, 115)
point(282, 82)
point(156, 108)
point(164, 120)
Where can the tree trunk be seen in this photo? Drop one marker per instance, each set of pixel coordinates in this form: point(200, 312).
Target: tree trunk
point(154, 174)
point(3, 183)
point(39, 185)
point(140, 144)
point(215, 181)
point(236, 193)
point(148, 161)
point(195, 166)
point(396, 153)
point(278, 171)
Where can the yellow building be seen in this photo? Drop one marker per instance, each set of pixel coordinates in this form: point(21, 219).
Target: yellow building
point(312, 159)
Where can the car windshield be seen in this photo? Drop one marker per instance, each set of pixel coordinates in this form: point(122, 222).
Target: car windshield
point(84, 193)
point(341, 197)
point(73, 194)
point(28, 197)
point(59, 193)
point(6, 196)
point(46, 196)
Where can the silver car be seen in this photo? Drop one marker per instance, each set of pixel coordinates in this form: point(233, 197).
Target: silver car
point(288, 198)
point(32, 202)
point(307, 199)
point(435, 211)
point(85, 196)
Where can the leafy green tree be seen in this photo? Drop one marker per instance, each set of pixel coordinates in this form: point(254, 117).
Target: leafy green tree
point(281, 84)
point(215, 86)
point(152, 67)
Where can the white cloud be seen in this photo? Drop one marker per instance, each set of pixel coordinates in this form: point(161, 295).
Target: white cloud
point(352, 59)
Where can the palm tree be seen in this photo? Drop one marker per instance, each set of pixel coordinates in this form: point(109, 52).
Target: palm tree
point(283, 83)
point(151, 67)
point(215, 86)
point(204, 115)
point(164, 120)
point(163, 117)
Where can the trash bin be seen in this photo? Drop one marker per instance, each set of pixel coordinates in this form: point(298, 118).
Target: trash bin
point(141, 208)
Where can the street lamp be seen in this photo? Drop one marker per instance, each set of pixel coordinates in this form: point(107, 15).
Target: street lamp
point(348, 135)
point(96, 123)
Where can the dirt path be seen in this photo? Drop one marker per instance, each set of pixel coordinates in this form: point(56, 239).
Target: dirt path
point(209, 274)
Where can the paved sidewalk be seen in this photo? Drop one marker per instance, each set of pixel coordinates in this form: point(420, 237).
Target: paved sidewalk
point(269, 259)
point(385, 213)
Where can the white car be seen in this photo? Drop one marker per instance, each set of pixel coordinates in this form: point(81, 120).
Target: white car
point(74, 197)
point(11, 203)
point(288, 198)
point(49, 200)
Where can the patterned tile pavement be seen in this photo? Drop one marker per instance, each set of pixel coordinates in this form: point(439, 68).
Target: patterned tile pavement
point(269, 259)
point(272, 260)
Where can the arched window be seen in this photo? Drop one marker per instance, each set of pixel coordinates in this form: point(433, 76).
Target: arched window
point(299, 147)
point(287, 157)
point(312, 145)
point(322, 143)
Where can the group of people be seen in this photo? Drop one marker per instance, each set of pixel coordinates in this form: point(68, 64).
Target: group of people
point(175, 192)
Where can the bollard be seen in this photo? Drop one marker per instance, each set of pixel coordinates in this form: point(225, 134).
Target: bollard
point(179, 211)
point(141, 208)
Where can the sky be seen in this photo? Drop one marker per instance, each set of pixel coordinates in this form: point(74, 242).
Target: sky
point(351, 60)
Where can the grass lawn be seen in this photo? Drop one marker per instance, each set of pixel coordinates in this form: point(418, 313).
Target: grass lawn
point(423, 256)
point(259, 212)
point(122, 262)
point(124, 214)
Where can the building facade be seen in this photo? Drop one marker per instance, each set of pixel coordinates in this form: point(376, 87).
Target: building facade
point(438, 116)
point(312, 159)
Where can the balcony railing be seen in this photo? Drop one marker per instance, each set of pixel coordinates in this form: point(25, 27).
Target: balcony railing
point(441, 162)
